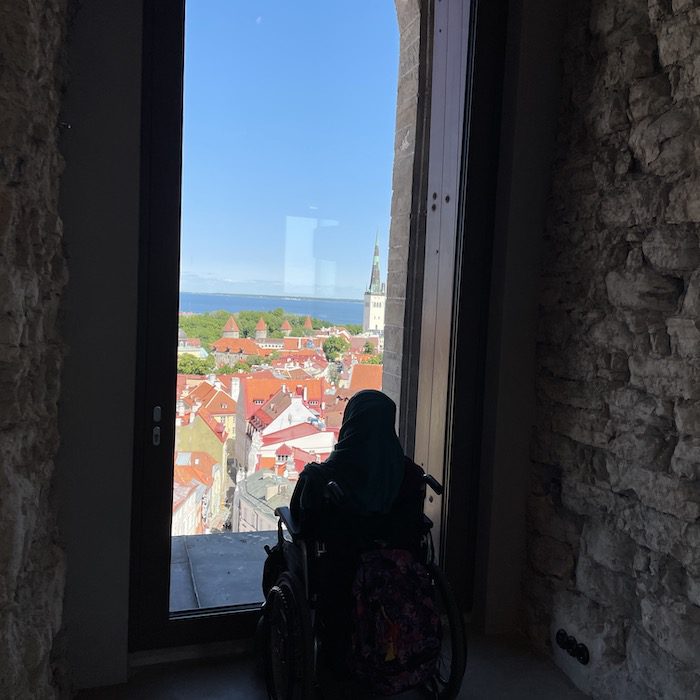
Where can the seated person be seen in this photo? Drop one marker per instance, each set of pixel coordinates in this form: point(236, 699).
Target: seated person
point(367, 463)
point(381, 499)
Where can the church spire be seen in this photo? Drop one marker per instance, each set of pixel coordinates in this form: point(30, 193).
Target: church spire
point(375, 282)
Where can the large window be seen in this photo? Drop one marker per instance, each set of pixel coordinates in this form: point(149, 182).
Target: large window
point(289, 112)
point(285, 266)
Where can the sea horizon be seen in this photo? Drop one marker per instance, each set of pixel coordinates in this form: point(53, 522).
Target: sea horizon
point(333, 310)
point(271, 296)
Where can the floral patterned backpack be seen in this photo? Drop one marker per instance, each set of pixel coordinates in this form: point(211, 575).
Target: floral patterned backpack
point(395, 625)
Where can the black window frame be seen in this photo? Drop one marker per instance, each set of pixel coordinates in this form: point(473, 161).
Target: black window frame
point(151, 624)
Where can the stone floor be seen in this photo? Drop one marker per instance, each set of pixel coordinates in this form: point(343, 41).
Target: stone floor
point(497, 669)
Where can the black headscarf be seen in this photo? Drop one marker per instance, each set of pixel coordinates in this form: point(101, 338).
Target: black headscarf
point(367, 461)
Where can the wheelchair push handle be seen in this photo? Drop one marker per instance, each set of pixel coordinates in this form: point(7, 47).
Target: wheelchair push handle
point(334, 492)
point(434, 484)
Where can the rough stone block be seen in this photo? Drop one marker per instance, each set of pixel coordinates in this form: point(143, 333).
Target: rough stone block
point(685, 337)
point(673, 249)
point(691, 300)
point(643, 289)
point(693, 590)
point(634, 58)
point(665, 377)
point(638, 202)
point(609, 547)
point(660, 532)
point(674, 627)
point(584, 426)
point(686, 79)
point(664, 144)
point(649, 96)
point(684, 201)
point(612, 333)
point(687, 415)
point(643, 446)
point(595, 500)
point(663, 492)
point(678, 39)
point(685, 462)
point(608, 116)
point(607, 588)
point(660, 672)
point(630, 406)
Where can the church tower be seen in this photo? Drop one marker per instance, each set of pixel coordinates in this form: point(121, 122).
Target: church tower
point(375, 297)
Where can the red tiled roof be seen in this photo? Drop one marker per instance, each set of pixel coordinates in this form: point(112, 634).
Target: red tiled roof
point(231, 325)
point(358, 342)
point(265, 463)
point(307, 323)
point(261, 325)
point(302, 458)
point(213, 424)
point(240, 346)
point(201, 393)
point(334, 416)
point(286, 325)
point(181, 492)
point(366, 377)
point(221, 404)
point(300, 355)
point(292, 433)
point(363, 357)
point(271, 409)
point(184, 475)
point(256, 388)
point(185, 381)
point(285, 449)
point(189, 469)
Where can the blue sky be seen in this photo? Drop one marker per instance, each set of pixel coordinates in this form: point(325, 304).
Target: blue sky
point(288, 144)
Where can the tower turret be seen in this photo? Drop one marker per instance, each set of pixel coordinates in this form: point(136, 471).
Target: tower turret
point(375, 296)
point(375, 281)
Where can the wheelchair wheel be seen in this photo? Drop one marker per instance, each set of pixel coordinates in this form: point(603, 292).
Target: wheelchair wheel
point(452, 661)
point(288, 641)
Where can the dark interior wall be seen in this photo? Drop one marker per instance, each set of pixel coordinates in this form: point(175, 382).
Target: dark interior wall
point(100, 208)
point(529, 112)
point(32, 276)
point(614, 508)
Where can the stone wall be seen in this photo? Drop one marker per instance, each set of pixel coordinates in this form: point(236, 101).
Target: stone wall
point(613, 514)
point(407, 127)
point(32, 274)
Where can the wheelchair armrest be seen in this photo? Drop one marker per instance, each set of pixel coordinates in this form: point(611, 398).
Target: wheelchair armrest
point(285, 515)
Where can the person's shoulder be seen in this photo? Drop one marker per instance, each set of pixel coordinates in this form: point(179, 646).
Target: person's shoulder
point(310, 469)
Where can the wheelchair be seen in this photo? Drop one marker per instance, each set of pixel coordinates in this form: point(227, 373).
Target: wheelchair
point(303, 630)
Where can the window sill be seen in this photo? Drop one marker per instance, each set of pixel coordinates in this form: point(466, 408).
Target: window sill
point(218, 570)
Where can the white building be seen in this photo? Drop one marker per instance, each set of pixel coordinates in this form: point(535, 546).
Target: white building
point(375, 298)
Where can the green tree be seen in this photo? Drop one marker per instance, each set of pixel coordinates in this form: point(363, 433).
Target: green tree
point(333, 373)
point(189, 364)
point(334, 347)
point(353, 328)
point(368, 348)
point(239, 366)
point(256, 360)
point(374, 360)
point(207, 327)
